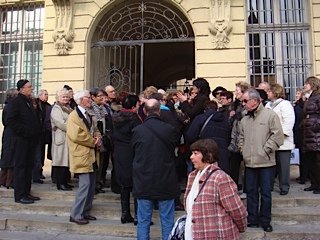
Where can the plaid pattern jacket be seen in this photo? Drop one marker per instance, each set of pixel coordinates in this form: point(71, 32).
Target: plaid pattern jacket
point(218, 212)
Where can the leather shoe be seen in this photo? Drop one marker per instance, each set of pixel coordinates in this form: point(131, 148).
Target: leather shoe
point(89, 217)
point(267, 227)
point(309, 189)
point(179, 208)
point(79, 221)
point(64, 187)
point(70, 186)
point(38, 181)
point(34, 198)
point(104, 184)
point(99, 190)
point(317, 191)
point(253, 225)
point(283, 192)
point(25, 200)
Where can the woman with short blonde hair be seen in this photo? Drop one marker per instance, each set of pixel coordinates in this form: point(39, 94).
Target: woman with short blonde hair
point(60, 152)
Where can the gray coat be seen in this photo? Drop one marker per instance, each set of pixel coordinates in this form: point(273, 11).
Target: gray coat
point(59, 148)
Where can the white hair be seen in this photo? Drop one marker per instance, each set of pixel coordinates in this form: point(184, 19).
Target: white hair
point(41, 92)
point(80, 94)
point(61, 92)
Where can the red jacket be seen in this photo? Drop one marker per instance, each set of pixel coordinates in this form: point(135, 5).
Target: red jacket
point(218, 212)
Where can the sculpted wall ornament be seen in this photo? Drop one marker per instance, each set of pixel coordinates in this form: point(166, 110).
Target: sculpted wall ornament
point(63, 34)
point(220, 23)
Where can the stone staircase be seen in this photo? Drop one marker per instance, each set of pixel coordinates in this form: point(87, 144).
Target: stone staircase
point(295, 216)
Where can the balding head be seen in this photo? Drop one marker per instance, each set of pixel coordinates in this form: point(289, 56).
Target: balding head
point(152, 106)
point(111, 92)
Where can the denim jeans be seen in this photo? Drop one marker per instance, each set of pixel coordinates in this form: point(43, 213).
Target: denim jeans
point(259, 179)
point(145, 209)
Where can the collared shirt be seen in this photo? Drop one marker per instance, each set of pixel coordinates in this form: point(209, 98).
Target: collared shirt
point(83, 111)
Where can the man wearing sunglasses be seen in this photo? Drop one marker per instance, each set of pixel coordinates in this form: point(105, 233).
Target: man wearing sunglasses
point(260, 136)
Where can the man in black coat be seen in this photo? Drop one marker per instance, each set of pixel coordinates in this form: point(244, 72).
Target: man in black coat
point(154, 176)
point(21, 117)
point(45, 134)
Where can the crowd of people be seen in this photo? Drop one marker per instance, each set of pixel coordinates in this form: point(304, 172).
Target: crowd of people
point(158, 139)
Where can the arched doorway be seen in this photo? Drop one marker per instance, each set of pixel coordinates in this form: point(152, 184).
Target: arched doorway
point(141, 43)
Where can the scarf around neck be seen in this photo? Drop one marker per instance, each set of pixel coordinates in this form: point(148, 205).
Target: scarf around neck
point(99, 110)
point(66, 108)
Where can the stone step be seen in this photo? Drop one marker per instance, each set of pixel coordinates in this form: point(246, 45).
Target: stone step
point(53, 224)
point(51, 193)
point(294, 199)
point(108, 210)
point(112, 210)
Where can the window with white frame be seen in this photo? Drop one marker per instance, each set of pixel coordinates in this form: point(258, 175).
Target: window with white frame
point(277, 32)
point(21, 34)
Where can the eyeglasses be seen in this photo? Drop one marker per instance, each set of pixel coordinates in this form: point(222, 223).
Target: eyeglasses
point(99, 95)
point(89, 98)
point(218, 93)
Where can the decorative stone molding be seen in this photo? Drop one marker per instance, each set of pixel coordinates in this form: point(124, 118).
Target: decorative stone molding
point(220, 23)
point(63, 34)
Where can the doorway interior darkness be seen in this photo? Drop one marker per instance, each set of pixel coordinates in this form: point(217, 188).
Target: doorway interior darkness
point(142, 43)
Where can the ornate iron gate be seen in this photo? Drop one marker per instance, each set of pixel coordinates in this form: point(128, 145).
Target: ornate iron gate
point(119, 65)
point(118, 53)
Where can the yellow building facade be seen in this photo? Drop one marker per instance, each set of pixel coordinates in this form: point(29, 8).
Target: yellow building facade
point(132, 44)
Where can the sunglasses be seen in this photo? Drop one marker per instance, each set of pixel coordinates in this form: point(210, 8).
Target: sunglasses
point(246, 100)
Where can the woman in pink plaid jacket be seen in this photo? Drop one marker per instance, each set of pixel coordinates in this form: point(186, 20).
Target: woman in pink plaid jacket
point(214, 209)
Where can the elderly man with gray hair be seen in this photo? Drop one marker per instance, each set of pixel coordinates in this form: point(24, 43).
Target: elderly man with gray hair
point(83, 139)
point(260, 136)
point(45, 134)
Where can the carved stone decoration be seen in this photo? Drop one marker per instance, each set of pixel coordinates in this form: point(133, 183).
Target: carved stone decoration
point(63, 34)
point(220, 23)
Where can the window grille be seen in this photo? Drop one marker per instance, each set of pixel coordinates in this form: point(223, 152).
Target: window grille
point(21, 34)
point(277, 33)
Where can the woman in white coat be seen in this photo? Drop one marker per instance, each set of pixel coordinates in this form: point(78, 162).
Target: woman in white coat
point(60, 153)
point(285, 111)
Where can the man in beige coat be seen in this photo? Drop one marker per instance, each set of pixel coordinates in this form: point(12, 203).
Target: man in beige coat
point(83, 138)
point(260, 135)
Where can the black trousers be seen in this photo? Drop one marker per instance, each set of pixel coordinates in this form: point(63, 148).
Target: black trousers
point(235, 161)
point(313, 164)
point(62, 175)
point(303, 167)
point(24, 156)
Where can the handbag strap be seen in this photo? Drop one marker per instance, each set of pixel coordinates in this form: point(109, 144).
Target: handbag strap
point(276, 104)
point(205, 181)
point(157, 135)
point(205, 124)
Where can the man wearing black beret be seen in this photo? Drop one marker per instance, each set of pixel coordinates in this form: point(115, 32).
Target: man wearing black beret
point(22, 119)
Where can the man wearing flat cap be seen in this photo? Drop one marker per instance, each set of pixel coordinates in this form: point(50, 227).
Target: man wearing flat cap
point(23, 121)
